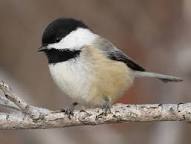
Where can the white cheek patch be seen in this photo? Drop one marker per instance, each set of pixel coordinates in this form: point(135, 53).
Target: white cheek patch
point(75, 40)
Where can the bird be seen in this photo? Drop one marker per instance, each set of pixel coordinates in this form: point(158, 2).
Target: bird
point(87, 67)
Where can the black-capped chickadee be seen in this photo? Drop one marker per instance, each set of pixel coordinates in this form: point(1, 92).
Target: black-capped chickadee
point(88, 67)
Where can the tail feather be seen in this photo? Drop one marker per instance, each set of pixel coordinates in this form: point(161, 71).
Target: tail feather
point(162, 77)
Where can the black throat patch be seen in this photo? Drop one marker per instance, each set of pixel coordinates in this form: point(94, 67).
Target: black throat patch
point(55, 55)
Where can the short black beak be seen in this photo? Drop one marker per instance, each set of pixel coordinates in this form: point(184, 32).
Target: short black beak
point(42, 49)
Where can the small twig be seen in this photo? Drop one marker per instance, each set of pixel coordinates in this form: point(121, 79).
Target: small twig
point(7, 103)
point(37, 118)
point(32, 111)
point(9, 95)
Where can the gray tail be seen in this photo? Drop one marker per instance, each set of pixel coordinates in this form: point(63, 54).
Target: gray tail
point(162, 77)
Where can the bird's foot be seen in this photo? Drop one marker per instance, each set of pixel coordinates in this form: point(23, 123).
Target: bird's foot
point(106, 108)
point(70, 110)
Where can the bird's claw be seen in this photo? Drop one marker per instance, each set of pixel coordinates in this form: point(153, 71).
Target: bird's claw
point(106, 108)
point(70, 110)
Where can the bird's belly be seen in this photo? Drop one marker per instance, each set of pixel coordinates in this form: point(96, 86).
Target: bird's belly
point(110, 84)
point(72, 79)
point(93, 84)
point(110, 78)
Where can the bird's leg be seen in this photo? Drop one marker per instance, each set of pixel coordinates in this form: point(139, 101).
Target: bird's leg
point(106, 106)
point(69, 110)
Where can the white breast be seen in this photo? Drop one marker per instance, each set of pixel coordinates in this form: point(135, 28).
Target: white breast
point(72, 77)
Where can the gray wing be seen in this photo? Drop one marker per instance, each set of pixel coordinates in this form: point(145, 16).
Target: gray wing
point(115, 54)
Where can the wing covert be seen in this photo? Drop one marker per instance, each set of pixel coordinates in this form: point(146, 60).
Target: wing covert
point(115, 54)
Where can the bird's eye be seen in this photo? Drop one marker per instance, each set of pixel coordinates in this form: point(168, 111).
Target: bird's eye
point(58, 39)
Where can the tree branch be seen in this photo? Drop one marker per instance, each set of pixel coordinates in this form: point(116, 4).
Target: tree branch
point(6, 103)
point(31, 117)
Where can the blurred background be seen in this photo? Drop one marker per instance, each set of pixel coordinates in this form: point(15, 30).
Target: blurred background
point(156, 33)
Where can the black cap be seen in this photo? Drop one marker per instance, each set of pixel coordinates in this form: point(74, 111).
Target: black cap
point(59, 28)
